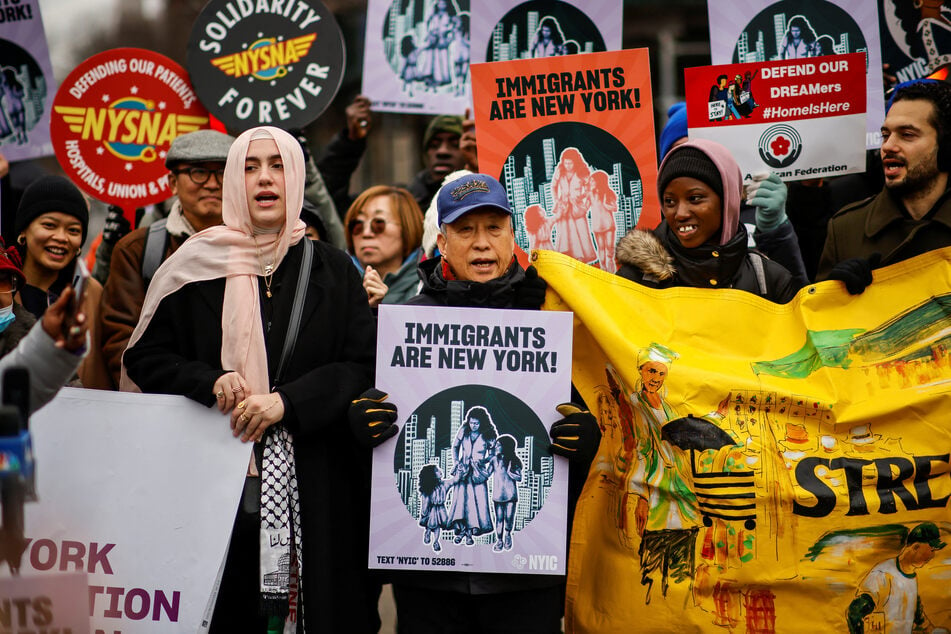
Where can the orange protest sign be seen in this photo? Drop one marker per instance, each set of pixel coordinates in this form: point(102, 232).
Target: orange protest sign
point(572, 140)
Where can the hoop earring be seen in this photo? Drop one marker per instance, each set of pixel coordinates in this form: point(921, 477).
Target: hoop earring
point(917, 4)
point(79, 252)
point(21, 239)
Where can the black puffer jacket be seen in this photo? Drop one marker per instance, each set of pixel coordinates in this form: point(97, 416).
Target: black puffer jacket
point(438, 291)
point(658, 260)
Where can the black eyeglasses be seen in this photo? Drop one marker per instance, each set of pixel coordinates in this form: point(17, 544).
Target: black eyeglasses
point(377, 226)
point(199, 175)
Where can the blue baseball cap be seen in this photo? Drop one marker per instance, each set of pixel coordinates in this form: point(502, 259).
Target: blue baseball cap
point(471, 192)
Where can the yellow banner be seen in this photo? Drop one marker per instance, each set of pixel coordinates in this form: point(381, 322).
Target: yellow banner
point(763, 468)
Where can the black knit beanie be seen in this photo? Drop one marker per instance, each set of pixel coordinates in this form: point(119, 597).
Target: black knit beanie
point(51, 193)
point(692, 162)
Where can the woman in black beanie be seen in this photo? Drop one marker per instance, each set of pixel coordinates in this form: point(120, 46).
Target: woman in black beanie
point(51, 224)
point(701, 242)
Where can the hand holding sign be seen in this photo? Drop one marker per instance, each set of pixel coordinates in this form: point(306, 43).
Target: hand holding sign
point(372, 418)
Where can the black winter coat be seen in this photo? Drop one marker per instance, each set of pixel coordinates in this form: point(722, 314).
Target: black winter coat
point(438, 291)
point(658, 260)
point(180, 353)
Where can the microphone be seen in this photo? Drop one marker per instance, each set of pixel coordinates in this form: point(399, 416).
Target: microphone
point(17, 481)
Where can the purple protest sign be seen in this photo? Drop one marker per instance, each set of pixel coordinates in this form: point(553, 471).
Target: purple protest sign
point(26, 83)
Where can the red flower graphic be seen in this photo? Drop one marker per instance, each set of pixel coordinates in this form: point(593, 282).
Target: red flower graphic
point(780, 146)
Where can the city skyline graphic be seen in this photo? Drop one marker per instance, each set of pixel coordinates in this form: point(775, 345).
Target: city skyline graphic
point(516, 43)
point(527, 174)
point(27, 73)
point(762, 39)
point(426, 438)
point(412, 21)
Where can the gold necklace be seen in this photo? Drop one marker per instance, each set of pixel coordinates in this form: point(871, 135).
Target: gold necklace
point(266, 270)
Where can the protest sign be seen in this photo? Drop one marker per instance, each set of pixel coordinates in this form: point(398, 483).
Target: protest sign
point(469, 484)
point(51, 603)
point(26, 83)
point(798, 118)
point(504, 30)
point(770, 30)
point(114, 117)
point(278, 63)
point(916, 37)
point(139, 491)
point(416, 56)
point(571, 137)
point(763, 467)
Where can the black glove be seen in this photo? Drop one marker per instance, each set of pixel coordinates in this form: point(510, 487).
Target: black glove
point(577, 436)
point(530, 293)
point(856, 273)
point(372, 418)
point(116, 227)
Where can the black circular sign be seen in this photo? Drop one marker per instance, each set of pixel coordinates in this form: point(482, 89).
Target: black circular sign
point(543, 28)
point(255, 63)
point(432, 443)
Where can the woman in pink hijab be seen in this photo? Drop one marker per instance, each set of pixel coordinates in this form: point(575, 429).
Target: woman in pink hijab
point(214, 328)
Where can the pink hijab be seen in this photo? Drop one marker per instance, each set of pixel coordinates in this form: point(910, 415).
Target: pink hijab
point(730, 176)
point(232, 250)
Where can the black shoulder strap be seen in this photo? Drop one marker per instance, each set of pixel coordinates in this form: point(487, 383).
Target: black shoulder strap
point(293, 326)
point(154, 249)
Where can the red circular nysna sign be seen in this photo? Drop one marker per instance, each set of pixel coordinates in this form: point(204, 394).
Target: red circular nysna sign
point(113, 119)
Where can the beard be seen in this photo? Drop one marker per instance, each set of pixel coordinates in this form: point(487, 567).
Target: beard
point(918, 178)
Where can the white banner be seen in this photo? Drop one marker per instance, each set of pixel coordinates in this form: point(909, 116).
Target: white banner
point(139, 491)
point(798, 118)
point(450, 494)
point(820, 154)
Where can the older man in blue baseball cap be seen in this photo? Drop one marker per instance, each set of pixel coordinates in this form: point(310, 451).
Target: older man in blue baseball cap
point(476, 238)
point(478, 268)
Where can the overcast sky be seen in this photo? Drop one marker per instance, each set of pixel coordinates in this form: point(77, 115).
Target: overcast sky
point(69, 22)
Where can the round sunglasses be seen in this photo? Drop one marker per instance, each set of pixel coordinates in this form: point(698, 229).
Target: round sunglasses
point(377, 226)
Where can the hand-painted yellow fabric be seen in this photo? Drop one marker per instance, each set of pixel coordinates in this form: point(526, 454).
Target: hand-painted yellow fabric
point(763, 468)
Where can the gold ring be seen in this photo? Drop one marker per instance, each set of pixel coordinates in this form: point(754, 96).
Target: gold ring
point(241, 405)
point(244, 418)
point(237, 389)
point(220, 394)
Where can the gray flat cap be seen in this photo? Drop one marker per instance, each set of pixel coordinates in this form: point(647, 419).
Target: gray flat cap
point(198, 147)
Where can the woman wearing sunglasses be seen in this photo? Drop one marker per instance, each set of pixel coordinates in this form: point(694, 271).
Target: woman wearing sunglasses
point(384, 231)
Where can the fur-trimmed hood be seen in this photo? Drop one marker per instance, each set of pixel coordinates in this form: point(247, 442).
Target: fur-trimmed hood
point(656, 259)
point(643, 250)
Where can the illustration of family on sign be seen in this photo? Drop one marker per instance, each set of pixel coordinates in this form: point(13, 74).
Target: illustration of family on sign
point(583, 206)
point(479, 454)
point(440, 58)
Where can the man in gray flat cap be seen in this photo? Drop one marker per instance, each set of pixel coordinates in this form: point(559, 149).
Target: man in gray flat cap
point(196, 163)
